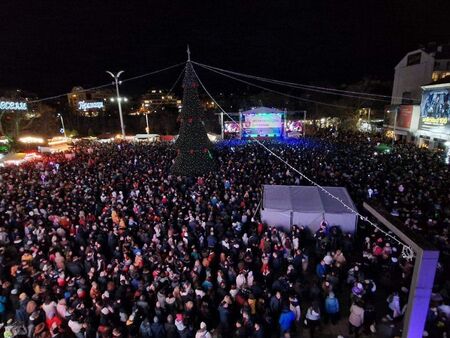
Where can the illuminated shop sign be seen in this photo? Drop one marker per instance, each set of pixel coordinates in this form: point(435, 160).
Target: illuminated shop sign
point(12, 105)
point(83, 105)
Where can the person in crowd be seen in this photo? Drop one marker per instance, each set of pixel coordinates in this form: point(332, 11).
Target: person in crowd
point(203, 332)
point(332, 308)
point(356, 318)
point(312, 319)
point(103, 241)
point(287, 318)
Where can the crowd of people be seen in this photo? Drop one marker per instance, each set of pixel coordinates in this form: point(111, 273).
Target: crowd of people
point(105, 242)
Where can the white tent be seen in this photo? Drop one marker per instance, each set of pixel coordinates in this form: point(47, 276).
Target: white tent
point(285, 205)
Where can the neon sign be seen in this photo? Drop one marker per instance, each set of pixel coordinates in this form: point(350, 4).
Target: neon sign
point(83, 105)
point(10, 105)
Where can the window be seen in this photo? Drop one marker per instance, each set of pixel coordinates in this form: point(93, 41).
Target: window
point(413, 59)
point(435, 76)
point(406, 98)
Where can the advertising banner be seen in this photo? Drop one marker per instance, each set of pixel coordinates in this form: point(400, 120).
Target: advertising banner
point(435, 110)
point(404, 116)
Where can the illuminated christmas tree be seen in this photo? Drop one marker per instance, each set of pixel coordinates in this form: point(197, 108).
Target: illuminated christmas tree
point(193, 146)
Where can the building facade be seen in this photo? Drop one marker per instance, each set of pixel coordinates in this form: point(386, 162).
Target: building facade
point(89, 103)
point(418, 68)
point(158, 99)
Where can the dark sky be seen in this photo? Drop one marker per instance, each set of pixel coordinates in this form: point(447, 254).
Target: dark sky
point(49, 46)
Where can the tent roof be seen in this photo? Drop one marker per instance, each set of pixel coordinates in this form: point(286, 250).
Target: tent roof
point(306, 199)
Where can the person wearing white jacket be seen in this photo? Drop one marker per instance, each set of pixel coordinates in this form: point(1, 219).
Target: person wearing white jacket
point(203, 332)
point(356, 318)
point(294, 306)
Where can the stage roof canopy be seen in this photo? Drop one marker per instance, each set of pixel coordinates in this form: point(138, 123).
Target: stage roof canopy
point(263, 110)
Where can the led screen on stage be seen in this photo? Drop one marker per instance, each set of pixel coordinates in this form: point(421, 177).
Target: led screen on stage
point(262, 125)
point(294, 126)
point(231, 127)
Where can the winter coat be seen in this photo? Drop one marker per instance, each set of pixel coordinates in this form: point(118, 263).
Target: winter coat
point(145, 329)
point(331, 305)
point(356, 317)
point(2, 304)
point(275, 305)
point(158, 330)
point(203, 334)
point(287, 317)
point(171, 330)
point(295, 307)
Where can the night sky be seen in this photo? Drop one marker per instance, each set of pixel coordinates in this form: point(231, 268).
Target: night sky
point(49, 46)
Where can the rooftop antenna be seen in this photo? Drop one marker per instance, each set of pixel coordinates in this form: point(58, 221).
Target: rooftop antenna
point(188, 53)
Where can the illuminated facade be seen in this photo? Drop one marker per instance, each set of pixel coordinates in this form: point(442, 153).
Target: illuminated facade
point(157, 99)
point(88, 103)
point(418, 68)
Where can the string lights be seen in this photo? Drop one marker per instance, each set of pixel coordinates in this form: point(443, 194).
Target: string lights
point(193, 145)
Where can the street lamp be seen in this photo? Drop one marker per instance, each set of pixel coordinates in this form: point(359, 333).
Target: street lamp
point(62, 124)
point(116, 82)
point(395, 126)
point(147, 129)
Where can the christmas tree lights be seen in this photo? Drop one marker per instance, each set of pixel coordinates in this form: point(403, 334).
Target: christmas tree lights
point(193, 146)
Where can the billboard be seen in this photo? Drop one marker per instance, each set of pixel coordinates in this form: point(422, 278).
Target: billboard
point(262, 124)
point(230, 127)
point(435, 110)
point(404, 116)
point(435, 107)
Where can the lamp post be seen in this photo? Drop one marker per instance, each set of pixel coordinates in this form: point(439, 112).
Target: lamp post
point(147, 129)
point(395, 126)
point(304, 123)
point(62, 124)
point(117, 82)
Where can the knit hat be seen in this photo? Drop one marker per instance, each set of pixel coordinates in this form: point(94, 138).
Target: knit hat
point(328, 259)
point(202, 325)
